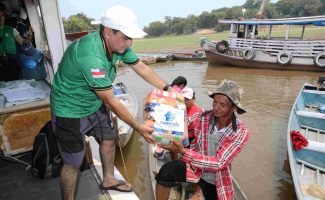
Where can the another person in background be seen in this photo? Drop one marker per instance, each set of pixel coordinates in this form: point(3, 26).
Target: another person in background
point(19, 20)
point(179, 83)
point(82, 95)
point(219, 137)
point(192, 110)
point(9, 68)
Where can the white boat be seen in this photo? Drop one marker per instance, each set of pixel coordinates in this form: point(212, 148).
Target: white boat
point(129, 100)
point(151, 58)
point(155, 165)
point(308, 164)
point(252, 43)
point(188, 55)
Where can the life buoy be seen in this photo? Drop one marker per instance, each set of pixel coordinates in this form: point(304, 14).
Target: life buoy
point(249, 54)
point(284, 57)
point(317, 59)
point(222, 46)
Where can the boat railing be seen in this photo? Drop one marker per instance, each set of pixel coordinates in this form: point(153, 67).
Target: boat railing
point(298, 48)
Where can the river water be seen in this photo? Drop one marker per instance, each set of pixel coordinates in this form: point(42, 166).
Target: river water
point(262, 168)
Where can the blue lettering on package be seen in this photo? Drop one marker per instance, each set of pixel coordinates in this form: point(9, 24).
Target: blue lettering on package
point(170, 123)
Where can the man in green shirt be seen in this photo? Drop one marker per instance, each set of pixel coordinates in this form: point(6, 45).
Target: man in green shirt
point(82, 90)
point(9, 68)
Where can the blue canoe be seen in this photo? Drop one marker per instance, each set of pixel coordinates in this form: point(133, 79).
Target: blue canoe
point(308, 164)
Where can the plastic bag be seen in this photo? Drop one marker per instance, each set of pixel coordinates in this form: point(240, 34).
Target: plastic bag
point(167, 112)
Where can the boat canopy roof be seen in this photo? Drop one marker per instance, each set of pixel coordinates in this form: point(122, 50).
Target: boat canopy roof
point(314, 20)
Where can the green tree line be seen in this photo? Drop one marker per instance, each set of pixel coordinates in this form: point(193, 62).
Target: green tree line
point(209, 19)
point(77, 23)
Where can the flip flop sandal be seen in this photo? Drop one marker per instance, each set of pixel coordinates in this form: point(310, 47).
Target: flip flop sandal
point(115, 187)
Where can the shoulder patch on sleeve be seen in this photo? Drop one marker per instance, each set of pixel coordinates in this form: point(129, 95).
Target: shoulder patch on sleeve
point(97, 73)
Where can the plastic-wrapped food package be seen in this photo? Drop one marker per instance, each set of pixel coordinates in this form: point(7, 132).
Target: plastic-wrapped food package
point(166, 110)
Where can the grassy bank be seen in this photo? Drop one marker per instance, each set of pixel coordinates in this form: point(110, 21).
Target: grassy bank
point(192, 42)
point(182, 42)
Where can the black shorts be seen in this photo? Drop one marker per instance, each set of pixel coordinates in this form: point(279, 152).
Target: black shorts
point(174, 173)
point(70, 133)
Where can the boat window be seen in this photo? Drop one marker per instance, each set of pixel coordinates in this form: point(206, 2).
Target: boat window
point(234, 28)
point(241, 31)
point(296, 32)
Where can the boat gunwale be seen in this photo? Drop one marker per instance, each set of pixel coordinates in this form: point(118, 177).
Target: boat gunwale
point(135, 104)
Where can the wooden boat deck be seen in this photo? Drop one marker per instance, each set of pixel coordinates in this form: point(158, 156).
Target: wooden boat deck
point(312, 134)
point(308, 173)
point(16, 183)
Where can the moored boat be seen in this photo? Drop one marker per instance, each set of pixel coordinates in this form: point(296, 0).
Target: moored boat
point(253, 43)
point(188, 55)
point(70, 37)
point(127, 98)
point(151, 58)
point(306, 143)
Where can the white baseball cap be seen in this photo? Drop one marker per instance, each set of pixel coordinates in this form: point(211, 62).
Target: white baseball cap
point(188, 93)
point(122, 19)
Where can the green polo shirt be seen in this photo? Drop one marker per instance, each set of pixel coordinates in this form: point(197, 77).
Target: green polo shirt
point(84, 68)
point(8, 42)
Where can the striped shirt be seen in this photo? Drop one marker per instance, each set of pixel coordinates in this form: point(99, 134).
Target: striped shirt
point(227, 148)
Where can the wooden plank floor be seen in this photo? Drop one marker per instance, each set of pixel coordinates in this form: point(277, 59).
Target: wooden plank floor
point(308, 175)
point(17, 183)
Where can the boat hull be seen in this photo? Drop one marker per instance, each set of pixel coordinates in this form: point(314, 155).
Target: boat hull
point(203, 58)
point(308, 164)
point(189, 55)
point(129, 100)
point(124, 138)
point(214, 57)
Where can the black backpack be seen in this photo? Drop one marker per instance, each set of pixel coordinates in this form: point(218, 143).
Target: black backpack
point(46, 159)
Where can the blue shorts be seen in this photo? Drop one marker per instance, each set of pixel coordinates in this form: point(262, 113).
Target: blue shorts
point(70, 133)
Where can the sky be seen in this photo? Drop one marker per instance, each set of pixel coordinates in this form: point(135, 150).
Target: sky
point(147, 11)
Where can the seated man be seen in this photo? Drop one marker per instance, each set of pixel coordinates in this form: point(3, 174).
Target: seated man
point(219, 136)
point(9, 68)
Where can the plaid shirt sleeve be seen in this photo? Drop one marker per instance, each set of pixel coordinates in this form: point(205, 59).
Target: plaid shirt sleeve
point(194, 125)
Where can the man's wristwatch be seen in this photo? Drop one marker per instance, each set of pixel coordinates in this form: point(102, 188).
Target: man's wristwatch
point(167, 86)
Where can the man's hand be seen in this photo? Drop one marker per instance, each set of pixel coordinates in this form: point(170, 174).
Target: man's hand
point(174, 146)
point(145, 130)
point(179, 96)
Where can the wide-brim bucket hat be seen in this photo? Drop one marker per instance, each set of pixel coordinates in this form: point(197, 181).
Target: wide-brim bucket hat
point(123, 19)
point(233, 91)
